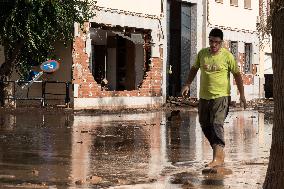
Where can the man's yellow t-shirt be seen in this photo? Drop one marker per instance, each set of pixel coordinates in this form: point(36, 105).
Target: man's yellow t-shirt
point(215, 73)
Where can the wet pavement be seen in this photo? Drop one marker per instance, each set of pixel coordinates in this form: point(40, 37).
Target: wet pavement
point(122, 151)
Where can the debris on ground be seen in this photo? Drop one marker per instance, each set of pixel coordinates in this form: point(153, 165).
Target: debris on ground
point(182, 102)
point(257, 104)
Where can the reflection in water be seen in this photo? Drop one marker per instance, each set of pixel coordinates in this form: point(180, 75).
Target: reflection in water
point(121, 147)
point(33, 150)
point(181, 138)
point(149, 150)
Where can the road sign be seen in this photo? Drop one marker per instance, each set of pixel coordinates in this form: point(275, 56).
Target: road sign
point(49, 66)
point(35, 78)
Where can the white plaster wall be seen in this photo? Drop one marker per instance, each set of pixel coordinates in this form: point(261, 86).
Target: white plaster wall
point(265, 60)
point(201, 34)
point(111, 17)
point(265, 66)
point(223, 14)
point(200, 29)
point(164, 45)
point(266, 47)
point(117, 102)
point(238, 24)
point(251, 91)
point(152, 7)
point(268, 64)
point(243, 38)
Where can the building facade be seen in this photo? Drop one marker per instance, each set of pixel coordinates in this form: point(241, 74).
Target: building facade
point(132, 55)
point(265, 53)
point(238, 20)
point(118, 59)
point(184, 39)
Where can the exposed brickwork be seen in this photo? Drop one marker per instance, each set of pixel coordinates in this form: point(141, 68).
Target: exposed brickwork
point(226, 44)
point(89, 88)
point(151, 85)
point(247, 78)
point(81, 72)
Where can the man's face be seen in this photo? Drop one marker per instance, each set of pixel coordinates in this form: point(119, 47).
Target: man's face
point(215, 44)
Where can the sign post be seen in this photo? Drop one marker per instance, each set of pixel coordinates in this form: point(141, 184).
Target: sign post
point(49, 66)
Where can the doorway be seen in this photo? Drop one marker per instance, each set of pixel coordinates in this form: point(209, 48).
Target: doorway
point(179, 47)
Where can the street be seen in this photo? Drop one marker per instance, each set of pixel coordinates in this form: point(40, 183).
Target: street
point(154, 150)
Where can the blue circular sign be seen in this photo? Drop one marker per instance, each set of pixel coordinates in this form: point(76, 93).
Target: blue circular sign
point(49, 66)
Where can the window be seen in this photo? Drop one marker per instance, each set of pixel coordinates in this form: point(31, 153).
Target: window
point(234, 49)
point(248, 58)
point(234, 2)
point(247, 4)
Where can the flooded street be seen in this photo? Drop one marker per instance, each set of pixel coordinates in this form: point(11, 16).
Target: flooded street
point(123, 151)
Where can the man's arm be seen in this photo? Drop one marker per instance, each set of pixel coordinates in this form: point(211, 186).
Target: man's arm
point(240, 85)
point(192, 73)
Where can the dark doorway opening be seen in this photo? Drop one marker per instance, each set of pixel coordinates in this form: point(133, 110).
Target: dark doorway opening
point(98, 68)
point(125, 69)
point(119, 57)
point(268, 86)
point(179, 49)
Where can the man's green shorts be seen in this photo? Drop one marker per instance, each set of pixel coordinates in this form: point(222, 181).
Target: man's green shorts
point(212, 114)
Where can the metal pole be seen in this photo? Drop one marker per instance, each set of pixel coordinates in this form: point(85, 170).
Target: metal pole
point(67, 97)
point(14, 91)
point(43, 93)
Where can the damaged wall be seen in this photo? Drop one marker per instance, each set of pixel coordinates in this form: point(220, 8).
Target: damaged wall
point(144, 81)
point(250, 77)
point(88, 87)
point(91, 95)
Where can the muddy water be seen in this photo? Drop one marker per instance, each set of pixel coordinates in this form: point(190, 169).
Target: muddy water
point(149, 151)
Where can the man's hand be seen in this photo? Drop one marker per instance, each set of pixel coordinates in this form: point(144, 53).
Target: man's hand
point(243, 102)
point(185, 90)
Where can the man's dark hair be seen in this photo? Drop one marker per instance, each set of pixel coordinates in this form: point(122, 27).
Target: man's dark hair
point(216, 32)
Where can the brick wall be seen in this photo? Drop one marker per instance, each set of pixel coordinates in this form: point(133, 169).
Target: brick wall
point(247, 78)
point(89, 88)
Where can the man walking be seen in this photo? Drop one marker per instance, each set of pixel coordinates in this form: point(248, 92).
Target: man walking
point(215, 64)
